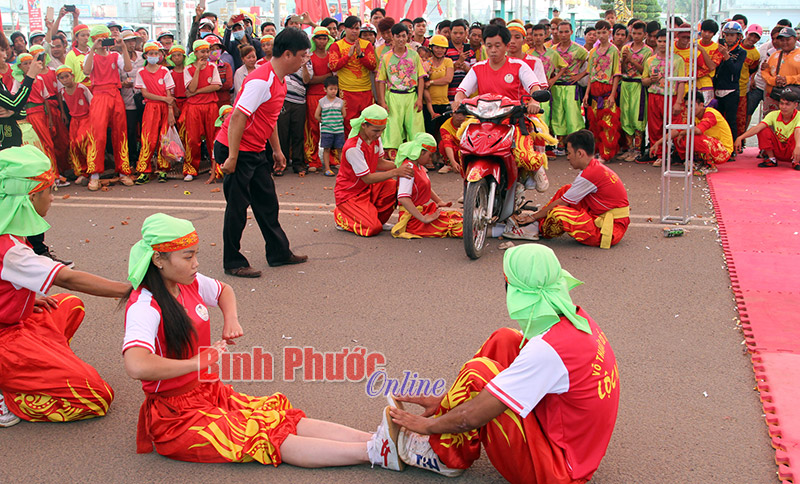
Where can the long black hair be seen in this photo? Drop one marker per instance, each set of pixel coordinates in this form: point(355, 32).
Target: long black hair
point(179, 331)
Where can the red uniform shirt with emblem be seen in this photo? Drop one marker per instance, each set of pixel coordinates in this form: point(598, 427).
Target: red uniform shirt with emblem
point(180, 87)
point(106, 70)
point(145, 328)
point(514, 79)
point(209, 76)
point(23, 275)
point(597, 189)
point(417, 188)
point(78, 102)
point(360, 158)
point(321, 68)
point(158, 82)
point(570, 380)
point(38, 95)
point(50, 81)
point(261, 100)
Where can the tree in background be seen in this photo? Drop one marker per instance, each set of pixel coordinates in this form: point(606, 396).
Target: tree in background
point(646, 10)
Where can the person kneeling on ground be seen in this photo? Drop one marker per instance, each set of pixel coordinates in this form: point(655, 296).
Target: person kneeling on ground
point(713, 143)
point(41, 379)
point(778, 133)
point(593, 209)
point(419, 204)
point(541, 400)
point(188, 414)
point(365, 187)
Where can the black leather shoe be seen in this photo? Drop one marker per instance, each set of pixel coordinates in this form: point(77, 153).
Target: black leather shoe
point(247, 272)
point(293, 259)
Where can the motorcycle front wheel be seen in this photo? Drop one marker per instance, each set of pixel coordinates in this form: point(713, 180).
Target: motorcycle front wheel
point(476, 204)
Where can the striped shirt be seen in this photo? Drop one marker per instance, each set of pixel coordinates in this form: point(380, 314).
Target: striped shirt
point(295, 87)
point(332, 120)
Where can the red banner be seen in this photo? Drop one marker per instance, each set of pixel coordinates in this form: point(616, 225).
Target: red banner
point(35, 16)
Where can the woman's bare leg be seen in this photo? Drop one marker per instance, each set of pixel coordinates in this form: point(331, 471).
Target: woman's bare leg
point(320, 429)
point(314, 452)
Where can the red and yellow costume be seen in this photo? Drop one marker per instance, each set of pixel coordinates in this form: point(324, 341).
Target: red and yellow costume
point(604, 120)
point(107, 110)
point(199, 115)
point(78, 104)
point(58, 130)
point(596, 211)
point(355, 84)
point(418, 189)
point(362, 208)
point(195, 417)
point(314, 93)
point(37, 116)
point(450, 139)
point(715, 145)
point(155, 120)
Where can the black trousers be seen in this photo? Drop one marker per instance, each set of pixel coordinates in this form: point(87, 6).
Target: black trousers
point(134, 133)
point(291, 133)
point(250, 185)
point(728, 106)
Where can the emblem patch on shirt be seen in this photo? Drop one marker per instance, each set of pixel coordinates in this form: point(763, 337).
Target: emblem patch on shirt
point(80, 102)
point(161, 81)
point(509, 78)
point(202, 311)
point(210, 79)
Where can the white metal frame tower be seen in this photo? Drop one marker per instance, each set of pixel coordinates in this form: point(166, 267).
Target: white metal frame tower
point(671, 81)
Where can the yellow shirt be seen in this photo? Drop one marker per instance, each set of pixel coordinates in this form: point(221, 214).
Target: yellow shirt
point(439, 92)
point(707, 80)
point(353, 72)
point(718, 130)
point(751, 62)
point(75, 62)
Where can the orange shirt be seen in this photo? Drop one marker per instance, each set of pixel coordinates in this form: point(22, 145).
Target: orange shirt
point(789, 68)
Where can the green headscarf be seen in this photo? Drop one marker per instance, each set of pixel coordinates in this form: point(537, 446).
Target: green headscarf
point(222, 110)
point(16, 70)
point(176, 48)
point(198, 44)
point(373, 114)
point(23, 170)
point(97, 30)
point(538, 290)
point(163, 233)
point(410, 150)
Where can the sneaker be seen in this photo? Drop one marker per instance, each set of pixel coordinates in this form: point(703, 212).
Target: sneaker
point(796, 166)
point(142, 179)
point(81, 180)
point(445, 169)
point(388, 226)
point(94, 185)
point(416, 450)
point(312, 169)
point(162, 177)
point(559, 152)
point(382, 448)
point(514, 231)
point(770, 163)
point(61, 182)
point(542, 183)
point(188, 178)
point(52, 255)
point(126, 180)
point(7, 419)
point(657, 162)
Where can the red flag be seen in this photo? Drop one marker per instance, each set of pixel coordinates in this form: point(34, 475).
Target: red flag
point(417, 8)
point(439, 7)
point(396, 9)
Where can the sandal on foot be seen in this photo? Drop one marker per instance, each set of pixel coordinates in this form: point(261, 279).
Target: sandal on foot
point(329, 173)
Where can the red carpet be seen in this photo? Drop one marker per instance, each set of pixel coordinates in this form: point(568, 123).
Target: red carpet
point(758, 210)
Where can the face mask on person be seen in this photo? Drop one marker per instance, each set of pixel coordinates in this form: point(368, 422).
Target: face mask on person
point(238, 35)
point(152, 59)
point(249, 31)
point(215, 55)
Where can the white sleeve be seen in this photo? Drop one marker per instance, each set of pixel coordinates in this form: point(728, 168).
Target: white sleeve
point(470, 83)
point(254, 95)
point(540, 75)
point(187, 77)
point(526, 77)
point(23, 268)
point(209, 290)
point(141, 324)
point(537, 371)
point(139, 82)
point(86, 92)
point(169, 82)
point(15, 87)
point(579, 189)
point(356, 158)
point(379, 149)
point(215, 79)
point(45, 92)
point(405, 187)
point(121, 63)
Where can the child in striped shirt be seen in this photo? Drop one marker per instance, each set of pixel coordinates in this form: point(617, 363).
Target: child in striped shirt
point(330, 113)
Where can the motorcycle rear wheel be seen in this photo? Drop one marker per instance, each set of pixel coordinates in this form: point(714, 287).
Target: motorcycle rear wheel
point(476, 204)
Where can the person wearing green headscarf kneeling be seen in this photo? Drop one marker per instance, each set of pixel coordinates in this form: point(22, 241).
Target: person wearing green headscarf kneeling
point(541, 399)
point(419, 204)
point(188, 413)
point(41, 379)
point(365, 187)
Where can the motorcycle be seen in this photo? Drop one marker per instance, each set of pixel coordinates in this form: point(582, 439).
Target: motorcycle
point(488, 165)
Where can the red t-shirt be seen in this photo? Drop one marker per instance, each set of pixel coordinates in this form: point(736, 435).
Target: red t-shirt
point(23, 274)
point(144, 327)
point(50, 81)
point(158, 82)
point(321, 68)
point(261, 100)
point(417, 188)
point(38, 95)
point(597, 189)
point(360, 158)
point(180, 87)
point(78, 102)
point(570, 381)
point(106, 70)
point(514, 79)
point(8, 79)
point(208, 77)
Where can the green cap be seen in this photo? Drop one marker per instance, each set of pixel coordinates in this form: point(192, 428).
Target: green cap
point(373, 114)
point(162, 233)
point(23, 170)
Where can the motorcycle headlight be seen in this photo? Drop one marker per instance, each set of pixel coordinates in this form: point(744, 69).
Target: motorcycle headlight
point(489, 109)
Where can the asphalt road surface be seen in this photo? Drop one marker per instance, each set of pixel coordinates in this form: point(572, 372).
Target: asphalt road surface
point(688, 411)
